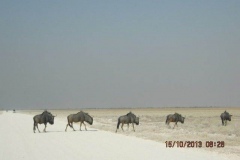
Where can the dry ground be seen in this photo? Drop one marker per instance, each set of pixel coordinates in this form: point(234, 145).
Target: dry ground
point(17, 141)
point(201, 124)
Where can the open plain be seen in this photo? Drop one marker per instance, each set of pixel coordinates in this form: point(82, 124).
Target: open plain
point(201, 124)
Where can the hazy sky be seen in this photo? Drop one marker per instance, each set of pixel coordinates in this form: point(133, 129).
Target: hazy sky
point(79, 54)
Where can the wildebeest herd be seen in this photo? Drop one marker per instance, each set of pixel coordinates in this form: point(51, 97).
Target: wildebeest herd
point(129, 118)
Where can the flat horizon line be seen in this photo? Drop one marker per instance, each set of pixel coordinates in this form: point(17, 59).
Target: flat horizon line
point(123, 108)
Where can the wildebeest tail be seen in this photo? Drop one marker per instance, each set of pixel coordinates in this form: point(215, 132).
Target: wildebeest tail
point(33, 124)
point(69, 122)
point(118, 123)
point(166, 120)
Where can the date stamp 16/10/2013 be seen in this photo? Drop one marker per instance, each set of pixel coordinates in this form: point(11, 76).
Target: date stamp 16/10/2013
point(195, 144)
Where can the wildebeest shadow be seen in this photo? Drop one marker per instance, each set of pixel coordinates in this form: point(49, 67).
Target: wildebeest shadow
point(92, 130)
point(48, 132)
point(53, 131)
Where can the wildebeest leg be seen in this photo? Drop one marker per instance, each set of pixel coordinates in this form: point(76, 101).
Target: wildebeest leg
point(44, 130)
point(128, 126)
point(66, 128)
point(122, 127)
point(34, 127)
point(225, 122)
point(72, 126)
point(222, 122)
point(133, 127)
point(85, 126)
point(80, 126)
point(168, 122)
point(174, 125)
point(37, 128)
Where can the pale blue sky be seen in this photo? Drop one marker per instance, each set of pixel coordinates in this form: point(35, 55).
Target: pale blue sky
point(80, 54)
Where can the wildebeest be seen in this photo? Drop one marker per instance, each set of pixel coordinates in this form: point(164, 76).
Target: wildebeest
point(224, 117)
point(79, 117)
point(174, 118)
point(126, 119)
point(45, 117)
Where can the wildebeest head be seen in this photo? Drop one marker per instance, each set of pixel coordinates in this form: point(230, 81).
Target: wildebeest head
point(136, 120)
point(227, 116)
point(181, 118)
point(88, 119)
point(51, 119)
point(48, 117)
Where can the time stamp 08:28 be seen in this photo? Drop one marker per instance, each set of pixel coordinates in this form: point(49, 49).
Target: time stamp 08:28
point(195, 144)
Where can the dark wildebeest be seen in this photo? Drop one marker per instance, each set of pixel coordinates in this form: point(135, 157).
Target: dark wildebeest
point(174, 118)
point(79, 117)
point(45, 117)
point(225, 116)
point(126, 119)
